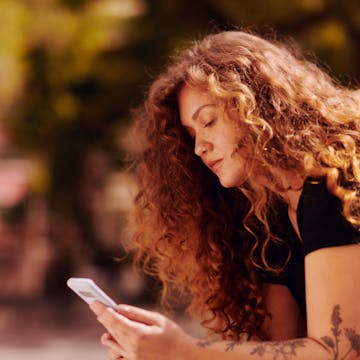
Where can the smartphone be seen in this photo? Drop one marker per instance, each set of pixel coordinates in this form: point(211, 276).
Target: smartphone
point(89, 291)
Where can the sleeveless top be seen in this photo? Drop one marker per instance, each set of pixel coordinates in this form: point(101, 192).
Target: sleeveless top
point(321, 225)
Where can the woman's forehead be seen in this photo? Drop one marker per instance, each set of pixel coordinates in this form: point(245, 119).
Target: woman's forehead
point(192, 102)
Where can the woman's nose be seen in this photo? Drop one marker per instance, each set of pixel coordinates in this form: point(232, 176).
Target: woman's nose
point(201, 146)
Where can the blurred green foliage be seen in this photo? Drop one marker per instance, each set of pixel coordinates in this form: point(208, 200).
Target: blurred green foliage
point(71, 69)
point(80, 64)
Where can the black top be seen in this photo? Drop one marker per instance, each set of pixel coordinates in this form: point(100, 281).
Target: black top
point(321, 224)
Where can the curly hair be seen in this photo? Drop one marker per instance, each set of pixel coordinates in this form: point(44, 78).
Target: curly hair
point(201, 239)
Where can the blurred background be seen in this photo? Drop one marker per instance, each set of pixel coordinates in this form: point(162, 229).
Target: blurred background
point(70, 70)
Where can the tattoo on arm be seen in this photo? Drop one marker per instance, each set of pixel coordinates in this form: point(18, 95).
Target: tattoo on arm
point(333, 341)
point(204, 343)
point(287, 350)
point(280, 350)
point(284, 350)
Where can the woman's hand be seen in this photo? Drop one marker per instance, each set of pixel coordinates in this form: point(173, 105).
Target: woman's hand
point(138, 334)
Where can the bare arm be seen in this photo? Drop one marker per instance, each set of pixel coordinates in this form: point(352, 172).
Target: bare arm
point(285, 321)
point(333, 322)
point(284, 329)
point(296, 349)
point(333, 314)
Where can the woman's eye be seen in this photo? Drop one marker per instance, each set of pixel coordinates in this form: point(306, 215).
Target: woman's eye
point(209, 123)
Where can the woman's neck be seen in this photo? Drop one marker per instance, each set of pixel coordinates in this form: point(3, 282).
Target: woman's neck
point(292, 198)
point(293, 184)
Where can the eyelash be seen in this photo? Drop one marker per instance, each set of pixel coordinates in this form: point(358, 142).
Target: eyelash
point(206, 125)
point(209, 123)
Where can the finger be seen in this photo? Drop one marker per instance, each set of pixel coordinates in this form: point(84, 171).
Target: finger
point(116, 324)
point(115, 350)
point(113, 355)
point(140, 315)
point(109, 341)
point(98, 307)
point(131, 312)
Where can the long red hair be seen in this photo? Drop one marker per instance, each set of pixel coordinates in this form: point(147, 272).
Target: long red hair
point(207, 241)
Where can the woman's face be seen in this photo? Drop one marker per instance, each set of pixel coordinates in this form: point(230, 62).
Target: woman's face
point(216, 141)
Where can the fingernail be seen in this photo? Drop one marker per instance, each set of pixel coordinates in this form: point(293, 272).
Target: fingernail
point(95, 306)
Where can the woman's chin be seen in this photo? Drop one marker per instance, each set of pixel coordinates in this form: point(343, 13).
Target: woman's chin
point(231, 182)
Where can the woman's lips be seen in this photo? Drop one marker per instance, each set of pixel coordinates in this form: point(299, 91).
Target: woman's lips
point(214, 165)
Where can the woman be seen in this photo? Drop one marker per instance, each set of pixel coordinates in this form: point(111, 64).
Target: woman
point(249, 183)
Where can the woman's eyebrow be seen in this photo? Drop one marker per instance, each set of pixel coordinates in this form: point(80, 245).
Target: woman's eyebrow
point(197, 112)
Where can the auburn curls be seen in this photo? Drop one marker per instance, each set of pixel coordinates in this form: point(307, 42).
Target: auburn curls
point(209, 242)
